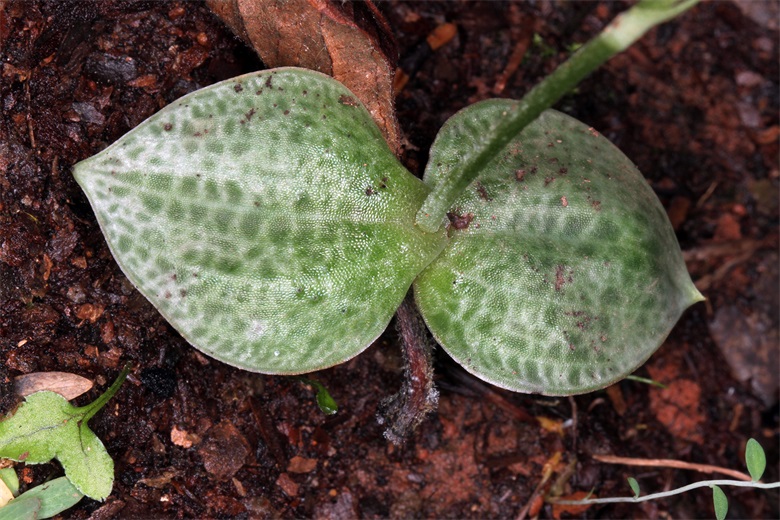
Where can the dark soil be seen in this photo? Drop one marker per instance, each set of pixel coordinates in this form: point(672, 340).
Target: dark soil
point(694, 104)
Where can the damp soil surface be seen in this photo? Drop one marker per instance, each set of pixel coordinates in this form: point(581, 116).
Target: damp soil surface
point(694, 104)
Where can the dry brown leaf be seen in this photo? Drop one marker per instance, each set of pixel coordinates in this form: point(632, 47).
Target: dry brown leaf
point(160, 481)
point(5, 494)
point(615, 395)
point(66, 384)
point(350, 41)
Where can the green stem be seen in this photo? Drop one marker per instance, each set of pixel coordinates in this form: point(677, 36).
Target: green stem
point(645, 380)
point(94, 407)
point(624, 30)
point(663, 494)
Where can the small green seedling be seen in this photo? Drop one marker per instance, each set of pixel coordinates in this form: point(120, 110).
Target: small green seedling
point(755, 459)
point(46, 426)
point(268, 221)
point(325, 401)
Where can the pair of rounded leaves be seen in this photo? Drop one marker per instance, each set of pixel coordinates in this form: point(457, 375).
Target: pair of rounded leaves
point(562, 273)
point(270, 224)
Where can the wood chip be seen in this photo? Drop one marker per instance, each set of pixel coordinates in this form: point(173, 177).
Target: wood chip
point(288, 485)
point(90, 312)
point(183, 438)
point(66, 384)
point(300, 464)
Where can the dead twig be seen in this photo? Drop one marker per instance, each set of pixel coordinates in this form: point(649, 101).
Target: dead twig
point(720, 249)
point(671, 463)
point(403, 412)
point(524, 35)
point(740, 250)
point(547, 472)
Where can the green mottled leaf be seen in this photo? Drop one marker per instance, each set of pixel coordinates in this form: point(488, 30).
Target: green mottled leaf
point(17, 509)
point(46, 426)
point(755, 459)
point(47, 500)
point(568, 275)
point(720, 502)
point(634, 486)
point(265, 218)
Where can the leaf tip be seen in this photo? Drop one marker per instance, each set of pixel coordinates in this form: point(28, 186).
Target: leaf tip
point(634, 486)
point(755, 459)
point(720, 502)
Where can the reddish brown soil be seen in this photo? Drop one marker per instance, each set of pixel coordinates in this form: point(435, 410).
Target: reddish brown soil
point(694, 104)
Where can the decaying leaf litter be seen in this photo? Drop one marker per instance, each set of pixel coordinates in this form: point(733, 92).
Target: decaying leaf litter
point(498, 457)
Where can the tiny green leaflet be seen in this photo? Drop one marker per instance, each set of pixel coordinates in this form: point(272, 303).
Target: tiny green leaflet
point(268, 221)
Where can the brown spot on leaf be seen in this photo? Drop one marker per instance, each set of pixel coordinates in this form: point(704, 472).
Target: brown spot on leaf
point(348, 100)
point(460, 221)
point(483, 194)
point(167, 127)
point(560, 277)
point(237, 87)
point(584, 318)
point(520, 175)
point(369, 191)
point(564, 202)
